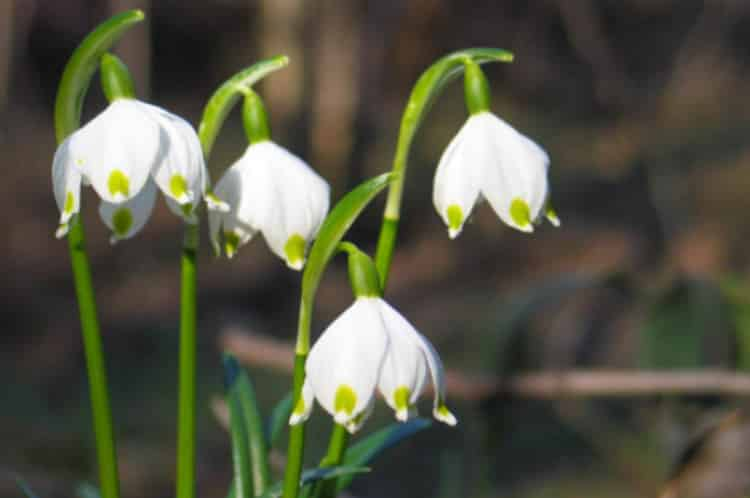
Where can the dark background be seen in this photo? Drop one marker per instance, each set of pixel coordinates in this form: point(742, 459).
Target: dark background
point(642, 106)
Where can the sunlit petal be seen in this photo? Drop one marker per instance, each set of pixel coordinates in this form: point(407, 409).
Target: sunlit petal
point(125, 219)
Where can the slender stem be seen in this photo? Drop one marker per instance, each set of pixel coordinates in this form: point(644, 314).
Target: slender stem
point(105, 442)
point(296, 447)
point(336, 449)
point(384, 253)
point(187, 367)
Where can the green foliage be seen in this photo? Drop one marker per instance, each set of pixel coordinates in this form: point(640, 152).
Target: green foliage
point(221, 102)
point(686, 327)
point(278, 419)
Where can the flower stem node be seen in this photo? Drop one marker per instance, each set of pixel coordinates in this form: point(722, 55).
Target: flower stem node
point(127, 153)
point(370, 346)
point(272, 191)
point(488, 159)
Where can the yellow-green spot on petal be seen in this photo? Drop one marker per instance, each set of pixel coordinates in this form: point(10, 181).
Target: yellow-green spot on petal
point(520, 212)
point(401, 398)
point(345, 400)
point(122, 220)
point(231, 243)
point(299, 408)
point(443, 414)
point(455, 219)
point(178, 186)
point(118, 184)
point(69, 203)
point(294, 250)
point(551, 215)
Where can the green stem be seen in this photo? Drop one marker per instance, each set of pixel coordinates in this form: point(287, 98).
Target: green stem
point(426, 89)
point(186, 404)
point(68, 103)
point(105, 442)
point(336, 448)
point(296, 447)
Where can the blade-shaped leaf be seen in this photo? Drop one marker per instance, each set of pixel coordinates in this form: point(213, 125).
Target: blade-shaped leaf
point(278, 419)
point(221, 102)
point(25, 488)
point(87, 490)
point(242, 483)
point(365, 451)
point(335, 226)
point(311, 476)
point(81, 67)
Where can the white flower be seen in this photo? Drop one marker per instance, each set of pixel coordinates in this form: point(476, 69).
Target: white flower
point(272, 191)
point(370, 346)
point(124, 153)
point(489, 159)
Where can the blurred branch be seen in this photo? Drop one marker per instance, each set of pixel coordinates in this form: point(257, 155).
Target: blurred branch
point(262, 351)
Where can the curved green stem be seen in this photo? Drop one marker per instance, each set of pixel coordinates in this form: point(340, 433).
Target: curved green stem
point(74, 83)
point(334, 227)
point(427, 88)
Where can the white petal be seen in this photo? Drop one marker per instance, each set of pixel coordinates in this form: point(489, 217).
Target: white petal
point(66, 183)
point(300, 200)
point(347, 358)
point(458, 175)
point(244, 188)
point(304, 406)
point(516, 184)
point(404, 370)
point(356, 423)
point(117, 150)
point(128, 218)
point(180, 172)
point(440, 410)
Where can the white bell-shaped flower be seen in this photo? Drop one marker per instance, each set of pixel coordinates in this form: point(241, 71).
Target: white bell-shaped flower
point(272, 191)
point(120, 153)
point(370, 346)
point(489, 159)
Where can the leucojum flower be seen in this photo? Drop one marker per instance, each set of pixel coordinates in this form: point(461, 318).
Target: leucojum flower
point(489, 159)
point(271, 191)
point(126, 153)
point(370, 347)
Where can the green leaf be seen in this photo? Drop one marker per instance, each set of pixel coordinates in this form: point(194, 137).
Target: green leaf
point(434, 79)
point(256, 441)
point(77, 75)
point(242, 483)
point(737, 293)
point(311, 476)
point(87, 490)
point(278, 419)
point(335, 226)
point(686, 327)
point(24, 487)
point(365, 451)
point(221, 102)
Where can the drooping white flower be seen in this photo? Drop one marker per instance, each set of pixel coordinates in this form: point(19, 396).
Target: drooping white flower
point(370, 346)
point(489, 159)
point(272, 191)
point(120, 153)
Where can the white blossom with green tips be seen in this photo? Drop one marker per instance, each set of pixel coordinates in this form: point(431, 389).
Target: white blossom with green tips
point(370, 346)
point(489, 159)
point(271, 191)
point(124, 153)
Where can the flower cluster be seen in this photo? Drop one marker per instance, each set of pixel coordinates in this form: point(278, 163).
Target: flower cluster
point(126, 153)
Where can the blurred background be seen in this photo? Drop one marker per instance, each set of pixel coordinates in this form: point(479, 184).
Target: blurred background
point(642, 107)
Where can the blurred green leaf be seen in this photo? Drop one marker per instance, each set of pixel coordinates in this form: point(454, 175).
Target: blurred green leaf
point(311, 476)
point(87, 490)
point(365, 451)
point(737, 293)
point(25, 488)
point(278, 419)
point(681, 324)
point(242, 484)
point(334, 227)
